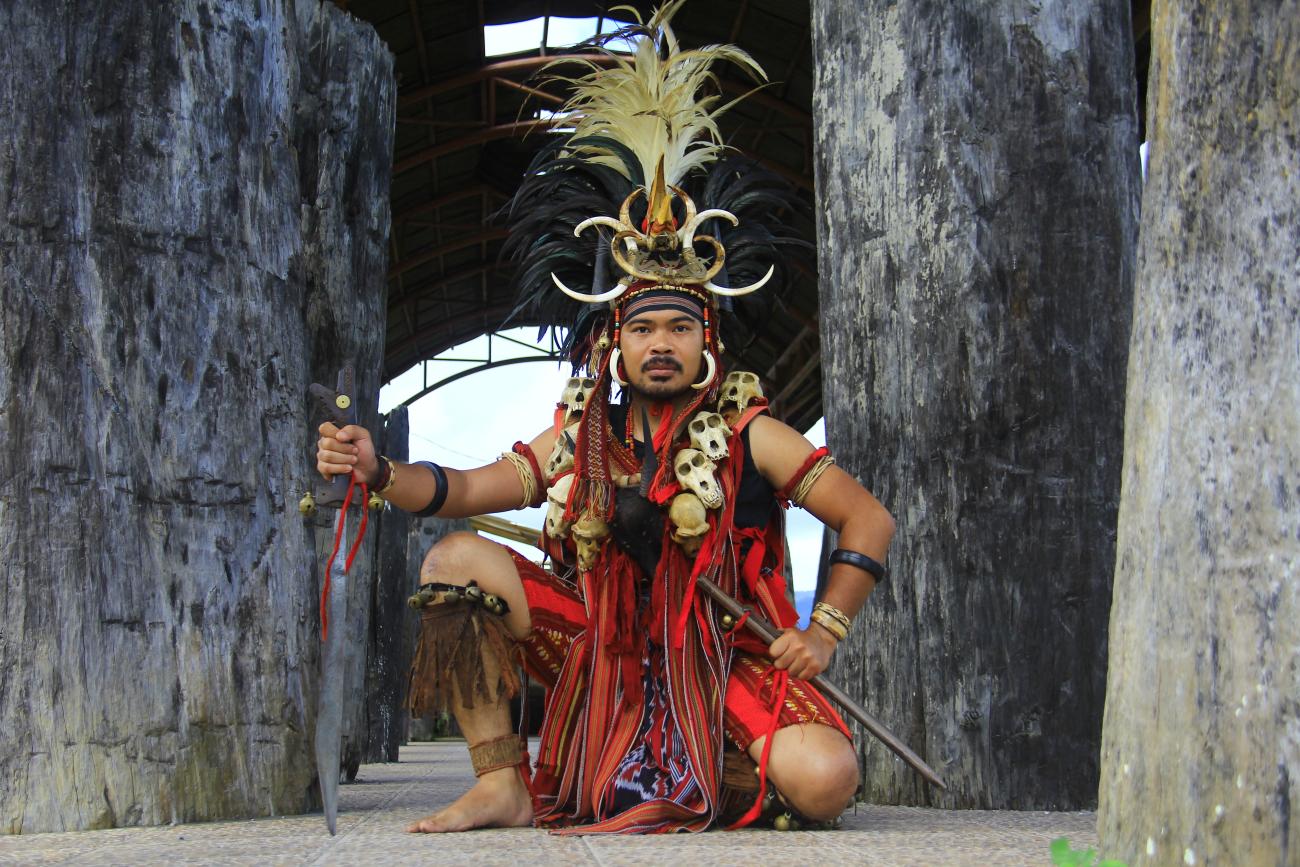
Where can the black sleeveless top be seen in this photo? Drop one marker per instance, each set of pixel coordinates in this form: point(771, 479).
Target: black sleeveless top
point(756, 498)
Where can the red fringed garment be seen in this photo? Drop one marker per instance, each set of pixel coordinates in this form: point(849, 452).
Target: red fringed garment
point(644, 686)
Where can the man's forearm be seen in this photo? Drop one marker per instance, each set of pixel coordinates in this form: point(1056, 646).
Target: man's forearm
point(847, 587)
point(454, 493)
point(413, 485)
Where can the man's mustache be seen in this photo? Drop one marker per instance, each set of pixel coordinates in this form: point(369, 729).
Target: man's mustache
point(662, 363)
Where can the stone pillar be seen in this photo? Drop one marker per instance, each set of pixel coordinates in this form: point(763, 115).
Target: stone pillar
point(390, 647)
point(978, 183)
point(1201, 744)
point(194, 224)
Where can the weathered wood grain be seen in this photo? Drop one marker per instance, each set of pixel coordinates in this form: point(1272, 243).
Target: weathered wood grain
point(194, 203)
point(388, 656)
point(1201, 744)
point(978, 183)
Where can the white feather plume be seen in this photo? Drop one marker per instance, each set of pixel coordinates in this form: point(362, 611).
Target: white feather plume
point(651, 103)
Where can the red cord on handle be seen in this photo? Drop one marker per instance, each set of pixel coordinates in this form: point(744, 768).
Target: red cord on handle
point(338, 539)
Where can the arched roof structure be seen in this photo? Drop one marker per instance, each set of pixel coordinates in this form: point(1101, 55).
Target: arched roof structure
point(468, 124)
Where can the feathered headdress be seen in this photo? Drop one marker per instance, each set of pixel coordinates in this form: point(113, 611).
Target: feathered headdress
point(610, 206)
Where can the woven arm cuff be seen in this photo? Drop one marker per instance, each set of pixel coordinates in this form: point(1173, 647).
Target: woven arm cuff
point(530, 475)
point(801, 483)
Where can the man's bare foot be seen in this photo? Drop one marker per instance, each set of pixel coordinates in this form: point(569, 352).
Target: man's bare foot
point(498, 800)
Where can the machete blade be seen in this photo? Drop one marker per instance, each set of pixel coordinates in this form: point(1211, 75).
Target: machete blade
point(341, 408)
point(329, 712)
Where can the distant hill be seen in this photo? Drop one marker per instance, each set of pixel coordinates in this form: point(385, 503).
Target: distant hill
point(803, 603)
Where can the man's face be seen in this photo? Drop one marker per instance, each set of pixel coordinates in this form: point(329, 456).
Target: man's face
point(662, 352)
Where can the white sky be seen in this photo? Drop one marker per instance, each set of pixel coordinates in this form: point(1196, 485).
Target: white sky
point(501, 39)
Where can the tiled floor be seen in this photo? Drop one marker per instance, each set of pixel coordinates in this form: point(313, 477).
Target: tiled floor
point(374, 811)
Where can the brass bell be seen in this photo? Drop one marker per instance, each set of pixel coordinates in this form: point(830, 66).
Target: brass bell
point(782, 822)
point(375, 502)
point(728, 622)
point(492, 604)
point(307, 505)
point(837, 823)
point(422, 597)
point(474, 593)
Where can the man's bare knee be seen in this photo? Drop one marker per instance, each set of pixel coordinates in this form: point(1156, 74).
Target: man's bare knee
point(824, 785)
point(452, 556)
point(816, 770)
point(462, 557)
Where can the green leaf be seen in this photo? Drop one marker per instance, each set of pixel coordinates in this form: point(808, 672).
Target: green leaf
point(1060, 850)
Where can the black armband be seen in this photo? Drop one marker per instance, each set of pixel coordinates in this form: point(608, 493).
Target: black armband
point(860, 561)
point(439, 493)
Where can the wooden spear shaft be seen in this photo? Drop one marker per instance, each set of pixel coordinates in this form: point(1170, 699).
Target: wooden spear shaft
point(768, 634)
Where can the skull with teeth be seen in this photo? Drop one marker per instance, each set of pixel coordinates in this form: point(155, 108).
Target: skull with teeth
point(561, 459)
point(695, 473)
point(588, 532)
point(739, 390)
point(690, 522)
point(557, 499)
point(709, 432)
point(577, 391)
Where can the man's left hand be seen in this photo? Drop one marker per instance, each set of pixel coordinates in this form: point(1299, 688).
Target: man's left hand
point(805, 653)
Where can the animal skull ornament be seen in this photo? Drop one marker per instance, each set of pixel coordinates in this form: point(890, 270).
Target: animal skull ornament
point(690, 522)
point(561, 459)
point(577, 391)
point(557, 499)
point(588, 532)
point(739, 390)
point(708, 432)
point(695, 473)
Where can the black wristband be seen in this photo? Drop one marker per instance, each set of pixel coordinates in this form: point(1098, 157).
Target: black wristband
point(439, 493)
point(860, 561)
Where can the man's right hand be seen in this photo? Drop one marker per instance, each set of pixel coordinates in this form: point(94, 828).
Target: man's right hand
point(340, 451)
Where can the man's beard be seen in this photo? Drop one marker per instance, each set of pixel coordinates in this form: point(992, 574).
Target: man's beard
point(659, 391)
